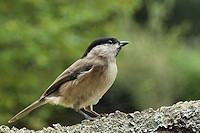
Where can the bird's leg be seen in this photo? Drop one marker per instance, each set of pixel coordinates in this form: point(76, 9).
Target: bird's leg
point(90, 110)
point(76, 108)
point(85, 115)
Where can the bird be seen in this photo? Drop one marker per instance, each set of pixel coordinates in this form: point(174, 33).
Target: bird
point(83, 83)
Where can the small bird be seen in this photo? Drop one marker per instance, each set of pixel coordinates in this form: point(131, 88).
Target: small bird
point(84, 83)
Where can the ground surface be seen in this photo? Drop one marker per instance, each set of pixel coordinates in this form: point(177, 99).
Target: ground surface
point(181, 117)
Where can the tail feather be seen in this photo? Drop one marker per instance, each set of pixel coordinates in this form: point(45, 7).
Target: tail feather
point(28, 109)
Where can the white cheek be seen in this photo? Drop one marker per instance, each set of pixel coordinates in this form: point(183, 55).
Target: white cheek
point(106, 50)
point(117, 45)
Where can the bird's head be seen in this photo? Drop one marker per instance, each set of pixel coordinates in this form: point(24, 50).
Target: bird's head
point(104, 46)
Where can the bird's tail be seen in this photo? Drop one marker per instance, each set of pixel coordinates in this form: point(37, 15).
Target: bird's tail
point(28, 109)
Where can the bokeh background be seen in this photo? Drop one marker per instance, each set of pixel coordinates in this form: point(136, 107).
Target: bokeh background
point(40, 39)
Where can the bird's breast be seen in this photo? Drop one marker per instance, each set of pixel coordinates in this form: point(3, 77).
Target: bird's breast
point(110, 75)
point(103, 83)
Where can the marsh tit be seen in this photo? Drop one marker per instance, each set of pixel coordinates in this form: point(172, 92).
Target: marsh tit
point(84, 83)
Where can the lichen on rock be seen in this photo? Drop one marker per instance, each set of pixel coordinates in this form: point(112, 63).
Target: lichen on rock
point(180, 117)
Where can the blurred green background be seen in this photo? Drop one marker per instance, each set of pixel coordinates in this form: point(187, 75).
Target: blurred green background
point(40, 39)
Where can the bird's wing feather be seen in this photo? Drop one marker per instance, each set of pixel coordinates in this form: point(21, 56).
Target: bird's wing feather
point(73, 72)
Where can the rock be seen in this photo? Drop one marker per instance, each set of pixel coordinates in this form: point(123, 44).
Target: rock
point(180, 117)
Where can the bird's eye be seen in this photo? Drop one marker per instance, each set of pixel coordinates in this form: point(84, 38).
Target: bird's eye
point(110, 42)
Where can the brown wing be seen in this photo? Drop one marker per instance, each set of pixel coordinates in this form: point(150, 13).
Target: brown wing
point(69, 74)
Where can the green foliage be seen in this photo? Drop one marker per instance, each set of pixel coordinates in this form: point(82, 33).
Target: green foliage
point(40, 39)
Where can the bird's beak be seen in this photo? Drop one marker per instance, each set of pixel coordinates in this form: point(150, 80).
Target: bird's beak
point(123, 43)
